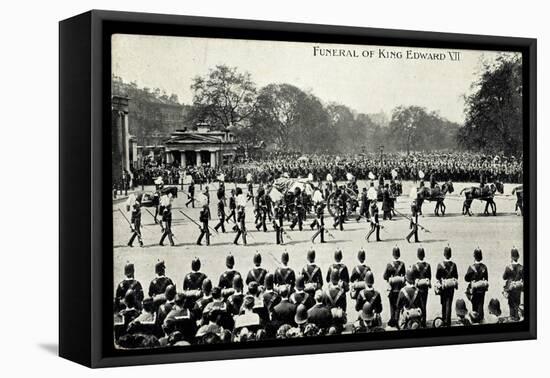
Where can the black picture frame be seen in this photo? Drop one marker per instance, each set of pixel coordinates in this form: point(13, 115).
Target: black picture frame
point(85, 229)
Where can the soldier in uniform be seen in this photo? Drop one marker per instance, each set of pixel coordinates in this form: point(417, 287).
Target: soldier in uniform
point(194, 279)
point(221, 213)
point(257, 273)
point(387, 204)
point(300, 296)
point(371, 296)
point(298, 214)
point(235, 300)
point(232, 207)
point(340, 268)
point(374, 222)
point(409, 303)
point(284, 275)
point(191, 195)
point(364, 209)
point(319, 222)
point(423, 276)
point(513, 287)
point(241, 225)
point(270, 297)
point(312, 274)
point(414, 222)
point(136, 221)
point(395, 276)
point(335, 295)
point(204, 215)
point(340, 214)
point(477, 278)
point(128, 283)
point(357, 277)
point(167, 226)
point(262, 213)
point(250, 189)
point(226, 279)
point(160, 282)
point(278, 219)
point(447, 282)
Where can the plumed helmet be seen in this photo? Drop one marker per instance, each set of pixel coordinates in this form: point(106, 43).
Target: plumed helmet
point(253, 287)
point(447, 252)
point(460, 307)
point(269, 281)
point(311, 255)
point(494, 307)
point(230, 261)
point(237, 282)
point(369, 278)
point(338, 255)
point(300, 282)
point(206, 285)
point(160, 267)
point(130, 298)
point(514, 253)
point(196, 264)
point(420, 253)
point(334, 276)
point(257, 259)
point(396, 252)
point(409, 276)
point(284, 257)
point(129, 269)
point(478, 255)
point(361, 255)
point(170, 292)
point(367, 312)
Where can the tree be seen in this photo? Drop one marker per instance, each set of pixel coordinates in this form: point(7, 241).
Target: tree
point(405, 127)
point(494, 120)
point(224, 97)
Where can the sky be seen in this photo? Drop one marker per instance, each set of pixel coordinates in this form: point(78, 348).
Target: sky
point(368, 79)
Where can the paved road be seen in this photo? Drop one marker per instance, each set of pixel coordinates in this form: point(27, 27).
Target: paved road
point(494, 235)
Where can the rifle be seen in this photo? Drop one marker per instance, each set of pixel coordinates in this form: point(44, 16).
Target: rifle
point(411, 220)
point(128, 221)
point(198, 225)
point(151, 214)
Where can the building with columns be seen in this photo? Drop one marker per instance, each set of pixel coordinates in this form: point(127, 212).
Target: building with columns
point(123, 145)
point(201, 145)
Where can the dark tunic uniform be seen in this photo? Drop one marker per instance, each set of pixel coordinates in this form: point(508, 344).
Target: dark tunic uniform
point(221, 216)
point(241, 225)
point(204, 215)
point(232, 207)
point(477, 272)
point(193, 281)
point(374, 223)
point(313, 276)
point(167, 226)
point(158, 285)
point(136, 224)
point(226, 279)
point(414, 222)
point(394, 269)
point(124, 286)
point(319, 222)
point(191, 195)
point(278, 219)
point(285, 276)
point(446, 270)
point(513, 274)
point(262, 214)
point(422, 270)
point(256, 274)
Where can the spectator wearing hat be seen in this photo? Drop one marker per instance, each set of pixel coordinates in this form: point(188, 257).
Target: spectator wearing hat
point(477, 277)
point(446, 274)
point(513, 287)
point(367, 320)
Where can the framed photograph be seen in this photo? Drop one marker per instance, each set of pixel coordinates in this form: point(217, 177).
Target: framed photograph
point(233, 188)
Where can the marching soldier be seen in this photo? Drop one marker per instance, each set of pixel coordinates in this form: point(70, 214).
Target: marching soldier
point(312, 274)
point(409, 303)
point(395, 276)
point(414, 222)
point(250, 189)
point(232, 207)
point(278, 219)
point(340, 214)
point(241, 225)
point(136, 222)
point(477, 278)
point(298, 215)
point(160, 282)
point(513, 276)
point(423, 276)
point(128, 283)
point(284, 275)
point(221, 213)
point(371, 296)
point(364, 209)
point(262, 213)
point(447, 282)
point(374, 222)
point(257, 273)
point(387, 204)
point(340, 269)
point(167, 226)
point(194, 279)
point(226, 279)
point(191, 195)
point(204, 215)
point(319, 222)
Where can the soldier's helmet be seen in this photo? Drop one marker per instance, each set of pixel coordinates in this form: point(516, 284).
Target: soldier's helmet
point(361, 255)
point(284, 257)
point(160, 267)
point(334, 277)
point(230, 261)
point(252, 288)
point(206, 286)
point(367, 312)
point(369, 278)
point(269, 281)
point(409, 276)
point(515, 254)
point(420, 253)
point(170, 292)
point(300, 282)
point(196, 264)
point(237, 282)
point(447, 252)
point(311, 255)
point(338, 255)
point(494, 307)
point(396, 252)
point(130, 298)
point(257, 260)
point(478, 255)
point(129, 269)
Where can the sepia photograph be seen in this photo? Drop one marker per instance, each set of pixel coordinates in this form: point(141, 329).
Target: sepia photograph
point(272, 190)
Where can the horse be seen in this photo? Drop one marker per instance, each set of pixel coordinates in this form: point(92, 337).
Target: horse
point(436, 194)
point(482, 193)
point(518, 191)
